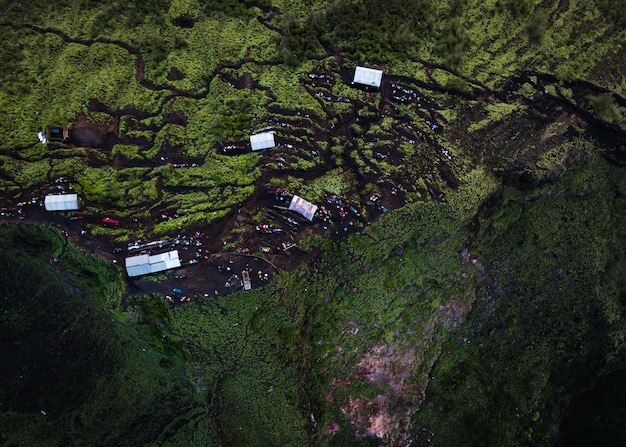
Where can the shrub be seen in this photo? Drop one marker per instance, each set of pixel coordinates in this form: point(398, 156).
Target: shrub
point(604, 106)
point(613, 11)
point(537, 26)
point(457, 84)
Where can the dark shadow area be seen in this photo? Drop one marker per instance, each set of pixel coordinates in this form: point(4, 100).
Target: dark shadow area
point(596, 417)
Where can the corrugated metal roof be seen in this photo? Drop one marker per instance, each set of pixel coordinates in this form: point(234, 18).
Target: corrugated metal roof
point(61, 202)
point(144, 264)
point(137, 260)
point(368, 76)
point(139, 270)
point(260, 141)
point(138, 265)
point(299, 205)
point(165, 261)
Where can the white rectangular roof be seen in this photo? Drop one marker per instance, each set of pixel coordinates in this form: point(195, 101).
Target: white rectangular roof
point(247, 285)
point(260, 141)
point(137, 260)
point(138, 265)
point(144, 264)
point(368, 76)
point(61, 202)
point(299, 205)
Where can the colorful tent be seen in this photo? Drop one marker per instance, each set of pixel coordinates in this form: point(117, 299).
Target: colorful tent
point(301, 206)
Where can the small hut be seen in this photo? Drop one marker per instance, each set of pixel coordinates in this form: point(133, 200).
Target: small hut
point(260, 141)
point(303, 207)
point(146, 264)
point(61, 202)
point(56, 133)
point(368, 76)
point(247, 285)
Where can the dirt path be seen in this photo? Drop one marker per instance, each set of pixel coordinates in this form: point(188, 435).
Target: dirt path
point(139, 60)
point(432, 164)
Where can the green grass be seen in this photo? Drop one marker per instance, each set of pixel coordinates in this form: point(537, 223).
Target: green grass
point(239, 344)
point(129, 151)
point(25, 174)
point(529, 358)
point(495, 113)
point(87, 365)
point(263, 363)
point(337, 181)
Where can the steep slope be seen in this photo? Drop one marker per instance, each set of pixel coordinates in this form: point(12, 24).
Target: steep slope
point(469, 289)
point(75, 370)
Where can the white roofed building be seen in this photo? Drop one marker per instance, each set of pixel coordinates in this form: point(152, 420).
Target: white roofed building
point(145, 264)
point(301, 206)
point(368, 76)
point(61, 202)
point(260, 141)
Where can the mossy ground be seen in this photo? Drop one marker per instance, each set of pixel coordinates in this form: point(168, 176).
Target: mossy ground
point(470, 315)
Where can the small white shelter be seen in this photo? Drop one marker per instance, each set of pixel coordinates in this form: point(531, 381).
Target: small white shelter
point(61, 202)
point(260, 141)
point(145, 264)
point(301, 206)
point(247, 285)
point(368, 76)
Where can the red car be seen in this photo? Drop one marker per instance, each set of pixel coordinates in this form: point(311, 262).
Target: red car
point(110, 221)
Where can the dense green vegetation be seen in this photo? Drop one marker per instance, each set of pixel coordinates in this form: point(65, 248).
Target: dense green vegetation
point(547, 317)
point(76, 370)
point(367, 30)
point(553, 319)
point(482, 309)
point(158, 77)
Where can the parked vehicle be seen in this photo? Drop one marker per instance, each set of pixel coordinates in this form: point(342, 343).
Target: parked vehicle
point(108, 220)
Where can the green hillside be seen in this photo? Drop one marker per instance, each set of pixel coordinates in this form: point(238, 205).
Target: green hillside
point(466, 286)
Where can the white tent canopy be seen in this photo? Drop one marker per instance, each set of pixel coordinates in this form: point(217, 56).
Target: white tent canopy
point(144, 264)
point(61, 202)
point(368, 76)
point(260, 141)
point(299, 205)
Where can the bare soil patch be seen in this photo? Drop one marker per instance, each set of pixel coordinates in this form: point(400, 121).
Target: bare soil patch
point(88, 134)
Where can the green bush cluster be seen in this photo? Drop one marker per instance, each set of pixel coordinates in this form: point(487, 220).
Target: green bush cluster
point(74, 370)
point(238, 347)
point(369, 31)
point(605, 107)
point(549, 325)
point(614, 11)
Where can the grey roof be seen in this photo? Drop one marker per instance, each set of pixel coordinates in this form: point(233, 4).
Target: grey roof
point(368, 76)
point(61, 202)
point(260, 141)
point(144, 264)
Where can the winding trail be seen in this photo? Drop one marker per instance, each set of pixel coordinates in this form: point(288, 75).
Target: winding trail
point(436, 167)
point(139, 60)
point(437, 170)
